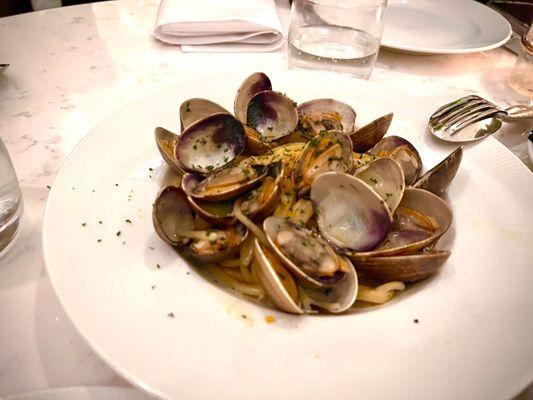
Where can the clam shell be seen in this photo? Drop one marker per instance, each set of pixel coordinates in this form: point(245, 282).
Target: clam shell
point(366, 137)
point(320, 115)
point(210, 144)
point(166, 144)
point(438, 178)
point(350, 214)
point(385, 176)
point(426, 203)
point(308, 167)
point(255, 83)
point(402, 151)
point(216, 213)
point(193, 110)
point(229, 183)
point(254, 142)
point(170, 212)
point(270, 192)
point(271, 226)
point(272, 283)
point(272, 114)
point(405, 268)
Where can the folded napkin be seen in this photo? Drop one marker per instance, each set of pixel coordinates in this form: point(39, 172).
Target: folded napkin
point(219, 25)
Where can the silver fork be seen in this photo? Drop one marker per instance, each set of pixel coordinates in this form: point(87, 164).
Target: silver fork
point(459, 114)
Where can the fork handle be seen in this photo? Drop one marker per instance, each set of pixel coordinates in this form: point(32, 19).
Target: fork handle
point(518, 112)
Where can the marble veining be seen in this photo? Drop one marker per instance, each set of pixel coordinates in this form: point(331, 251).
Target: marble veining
point(79, 64)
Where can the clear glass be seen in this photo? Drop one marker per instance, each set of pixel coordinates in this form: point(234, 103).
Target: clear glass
point(521, 77)
point(336, 35)
point(11, 205)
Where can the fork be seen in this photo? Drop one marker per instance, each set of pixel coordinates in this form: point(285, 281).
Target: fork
point(459, 114)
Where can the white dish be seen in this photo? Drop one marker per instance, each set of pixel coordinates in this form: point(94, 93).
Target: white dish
point(443, 27)
point(81, 393)
point(174, 333)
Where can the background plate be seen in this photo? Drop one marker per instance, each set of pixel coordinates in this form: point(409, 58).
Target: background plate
point(169, 330)
point(441, 27)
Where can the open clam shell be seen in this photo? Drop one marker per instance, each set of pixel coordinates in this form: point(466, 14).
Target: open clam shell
point(272, 114)
point(431, 208)
point(273, 276)
point(385, 176)
point(369, 135)
point(404, 268)
point(307, 256)
point(193, 110)
point(316, 116)
point(438, 178)
point(229, 183)
point(255, 83)
point(254, 142)
point(351, 215)
point(210, 144)
point(326, 152)
point(261, 201)
point(173, 220)
point(402, 151)
point(166, 144)
point(216, 213)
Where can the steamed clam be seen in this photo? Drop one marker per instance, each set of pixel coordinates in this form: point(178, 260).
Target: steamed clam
point(295, 206)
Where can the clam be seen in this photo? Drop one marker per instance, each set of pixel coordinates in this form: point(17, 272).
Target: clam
point(217, 213)
point(316, 116)
point(255, 83)
point(350, 214)
point(366, 137)
point(403, 152)
point(174, 222)
point(254, 142)
point(438, 178)
point(419, 221)
point(307, 256)
point(229, 183)
point(326, 152)
point(385, 176)
point(166, 143)
point(261, 201)
point(210, 144)
point(404, 268)
point(193, 110)
point(272, 114)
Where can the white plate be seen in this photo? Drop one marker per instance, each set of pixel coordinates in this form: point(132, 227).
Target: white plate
point(81, 393)
point(442, 27)
point(474, 336)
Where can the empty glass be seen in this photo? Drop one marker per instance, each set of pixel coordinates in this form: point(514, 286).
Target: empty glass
point(336, 35)
point(521, 77)
point(10, 200)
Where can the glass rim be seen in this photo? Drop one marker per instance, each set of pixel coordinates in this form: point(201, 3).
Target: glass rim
point(345, 6)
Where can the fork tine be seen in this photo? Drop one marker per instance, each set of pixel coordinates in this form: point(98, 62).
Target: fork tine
point(471, 120)
point(454, 104)
point(467, 113)
point(465, 108)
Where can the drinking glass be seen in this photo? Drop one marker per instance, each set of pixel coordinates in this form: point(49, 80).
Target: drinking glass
point(11, 205)
point(336, 35)
point(521, 77)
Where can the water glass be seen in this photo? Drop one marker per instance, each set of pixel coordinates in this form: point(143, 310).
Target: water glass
point(11, 205)
point(521, 77)
point(336, 35)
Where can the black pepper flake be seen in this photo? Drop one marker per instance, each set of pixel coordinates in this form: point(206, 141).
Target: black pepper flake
point(188, 273)
point(93, 190)
point(116, 184)
point(150, 169)
point(153, 287)
point(48, 187)
point(170, 315)
point(415, 320)
point(123, 243)
point(158, 266)
point(84, 224)
point(118, 233)
point(151, 247)
point(100, 222)
point(99, 240)
point(128, 221)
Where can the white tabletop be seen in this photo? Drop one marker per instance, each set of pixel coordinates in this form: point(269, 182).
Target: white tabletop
point(72, 67)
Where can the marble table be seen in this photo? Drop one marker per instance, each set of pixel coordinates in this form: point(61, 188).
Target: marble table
point(72, 67)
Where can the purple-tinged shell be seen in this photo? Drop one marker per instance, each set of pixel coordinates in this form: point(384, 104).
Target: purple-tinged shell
point(255, 83)
point(365, 138)
point(193, 110)
point(350, 215)
point(210, 144)
point(166, 144)
point(272, 114)
point(438, 178)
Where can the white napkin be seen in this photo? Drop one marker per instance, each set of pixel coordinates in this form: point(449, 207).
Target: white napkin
point(219, 25)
